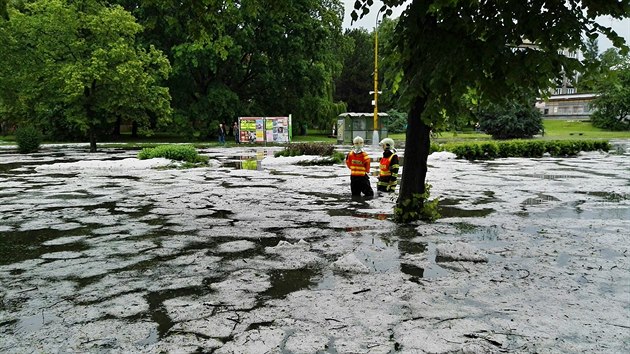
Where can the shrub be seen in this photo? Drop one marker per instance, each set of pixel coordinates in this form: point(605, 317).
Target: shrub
point(511, 120)
point(490, 150)
point(435, 147)
point(418, 207)
point(297, 149)
point(534, 148)
point(28, 139)
point(186, 153)
point(510, 149)
point(336, 158)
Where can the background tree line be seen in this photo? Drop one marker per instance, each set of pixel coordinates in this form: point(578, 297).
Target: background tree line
point(83, 68)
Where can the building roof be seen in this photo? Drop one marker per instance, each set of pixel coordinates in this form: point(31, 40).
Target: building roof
point(353, 114)
point(571, 97)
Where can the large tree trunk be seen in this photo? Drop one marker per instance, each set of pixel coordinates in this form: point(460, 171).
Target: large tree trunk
point(417, 149)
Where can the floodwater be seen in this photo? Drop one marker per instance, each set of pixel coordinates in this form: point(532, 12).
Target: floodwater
point(105, 253)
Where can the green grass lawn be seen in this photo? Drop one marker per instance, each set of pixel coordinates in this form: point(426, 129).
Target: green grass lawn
point(562, 129)
point(554, 130)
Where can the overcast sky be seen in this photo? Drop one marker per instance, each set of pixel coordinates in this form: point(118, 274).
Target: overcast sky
point(368, 22)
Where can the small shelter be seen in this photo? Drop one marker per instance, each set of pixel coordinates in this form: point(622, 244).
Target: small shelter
point(350, 125)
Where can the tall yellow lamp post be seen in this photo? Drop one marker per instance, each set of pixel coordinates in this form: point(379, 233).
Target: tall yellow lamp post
point(375, 139)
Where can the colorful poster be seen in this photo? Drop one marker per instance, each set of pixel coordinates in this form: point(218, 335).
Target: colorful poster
point(249, 129)
point(277, 129)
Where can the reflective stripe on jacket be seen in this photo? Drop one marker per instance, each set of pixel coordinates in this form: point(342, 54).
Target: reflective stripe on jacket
point(359, 164)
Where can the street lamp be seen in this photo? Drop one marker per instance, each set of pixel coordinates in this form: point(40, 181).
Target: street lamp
point(375, 139)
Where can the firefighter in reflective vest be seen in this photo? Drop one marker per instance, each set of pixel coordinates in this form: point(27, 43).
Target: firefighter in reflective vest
point(388, 167)
point(358, 161)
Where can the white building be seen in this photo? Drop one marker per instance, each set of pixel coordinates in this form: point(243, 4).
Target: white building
point(576, 106)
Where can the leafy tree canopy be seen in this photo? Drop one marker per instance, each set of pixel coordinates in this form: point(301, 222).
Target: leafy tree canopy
point(258, 57)
point(357, 77)
point(78, 61)
point(498, 48)
point(612, 107)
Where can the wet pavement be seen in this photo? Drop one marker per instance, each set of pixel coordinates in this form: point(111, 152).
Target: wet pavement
point(105, 253)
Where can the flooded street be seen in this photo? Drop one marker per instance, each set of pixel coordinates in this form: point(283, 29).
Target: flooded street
point(104, 253)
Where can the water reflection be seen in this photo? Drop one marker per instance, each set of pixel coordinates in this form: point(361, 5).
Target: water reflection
point(18, 246)
point(452, 212)
point(286, 281)
point(412, 270)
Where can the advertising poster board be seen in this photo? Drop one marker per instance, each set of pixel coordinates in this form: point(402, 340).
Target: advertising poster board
point(277, 129)
point(264, 129)
point(251, 129)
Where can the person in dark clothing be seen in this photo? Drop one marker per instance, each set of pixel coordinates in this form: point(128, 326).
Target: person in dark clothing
point(358, 161)
point(388, 167)
point(221, 133)
point(237, 133)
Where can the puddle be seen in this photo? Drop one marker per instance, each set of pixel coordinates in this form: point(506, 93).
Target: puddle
point(608, 196)
point(452, 212)
point(245, 164)
point(449, 201)
point(490, 198)
point(9, 169)
point(286, 281)
point(358, 214)
point(540, 199)
point(221, 214)
point(158, 312)
point(490, 233)
point(18, 246)
point(575, 212)
point(412, 270)
point(552, 177)
point(34, 323)
point(408, 247)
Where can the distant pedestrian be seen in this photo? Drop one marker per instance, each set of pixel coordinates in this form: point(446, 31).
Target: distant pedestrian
point(237, 132)
point(221, 133)
point(358, 161)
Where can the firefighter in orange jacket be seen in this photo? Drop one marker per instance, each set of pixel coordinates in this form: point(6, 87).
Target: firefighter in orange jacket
point(358, 161)
point(388, 167)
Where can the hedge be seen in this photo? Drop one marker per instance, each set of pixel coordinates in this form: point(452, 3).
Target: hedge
point(523, 148)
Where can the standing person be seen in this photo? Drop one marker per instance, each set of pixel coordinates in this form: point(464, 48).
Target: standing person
point(388, 167)
point(221, 133)
point(358, 161)
point(237, 137)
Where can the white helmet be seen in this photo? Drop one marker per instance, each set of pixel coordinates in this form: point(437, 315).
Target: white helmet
point(387, 143)
point(358, 141)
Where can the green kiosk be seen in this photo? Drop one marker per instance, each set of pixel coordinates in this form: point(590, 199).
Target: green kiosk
point(350, 125)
